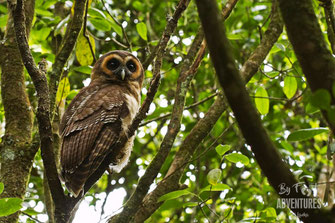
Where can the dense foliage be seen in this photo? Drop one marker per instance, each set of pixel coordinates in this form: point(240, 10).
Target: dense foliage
point(224, 181)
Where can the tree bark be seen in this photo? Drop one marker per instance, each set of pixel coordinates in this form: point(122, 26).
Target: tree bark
point(16, 152)
point(310, 47)
point(250, 124)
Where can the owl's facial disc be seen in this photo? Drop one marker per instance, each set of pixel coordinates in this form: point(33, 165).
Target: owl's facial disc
point(118, 66)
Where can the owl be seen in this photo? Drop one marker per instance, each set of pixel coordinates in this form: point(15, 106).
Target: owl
point(95, 119)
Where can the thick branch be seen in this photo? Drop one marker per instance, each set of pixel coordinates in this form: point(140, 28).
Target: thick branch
point(200, 130)
point(267, 156)
point(16, 150)
point(309, 45)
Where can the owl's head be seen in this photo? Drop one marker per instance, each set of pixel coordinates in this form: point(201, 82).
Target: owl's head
point(119, 66)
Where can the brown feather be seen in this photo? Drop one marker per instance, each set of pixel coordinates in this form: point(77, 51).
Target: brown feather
point(94, 121)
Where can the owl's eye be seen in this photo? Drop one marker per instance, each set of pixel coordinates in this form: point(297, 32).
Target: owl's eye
point(113, 64)
point(131, 66)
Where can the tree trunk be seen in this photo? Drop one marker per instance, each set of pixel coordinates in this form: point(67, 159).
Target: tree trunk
point(16, 151)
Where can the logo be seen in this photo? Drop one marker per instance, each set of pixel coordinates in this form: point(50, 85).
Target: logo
point(298, 203)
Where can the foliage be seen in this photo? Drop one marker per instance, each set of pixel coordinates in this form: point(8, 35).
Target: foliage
point(9, 205)
point(224, 181)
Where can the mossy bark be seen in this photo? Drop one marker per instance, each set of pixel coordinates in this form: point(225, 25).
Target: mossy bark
point(16, 151)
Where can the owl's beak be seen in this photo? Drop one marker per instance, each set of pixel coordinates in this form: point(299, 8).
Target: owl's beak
point(122, 74)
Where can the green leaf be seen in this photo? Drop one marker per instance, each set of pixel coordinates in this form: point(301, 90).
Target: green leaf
point(214, 176)
point(83, 69)
point(269, 213)
point(43, 12)
point(116, 28)
point(331, 115)
point(72, 94)
point(96, 13)
point(101, 24)
point(237, 157)
point(49, 3)
point(63, 89)
point(3, 9)
point(43, 33)
point(3, 20)
point(138, 5)
point(262, 101)
point(273, 74)
point(2, 187)
point(310, 108)
point(83, 50)
point(9, 206)
point(290, 86)
point(287, 146)
point(217, 187)
point(142, 30)
point(61, 25)
point(280, 46)
point(321, 99)
point(304, 134)
point(173, 195)
point(237, 36)
point(222, 149)
point(190, 204)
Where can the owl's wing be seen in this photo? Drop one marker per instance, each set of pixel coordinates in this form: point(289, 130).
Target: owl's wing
point(90, 128)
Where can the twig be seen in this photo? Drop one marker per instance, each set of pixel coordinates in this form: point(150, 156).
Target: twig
point(111, 39)
point(270, 36)
point(31, 217)
point(186, 108)
point(119, 24)
point(85, 34)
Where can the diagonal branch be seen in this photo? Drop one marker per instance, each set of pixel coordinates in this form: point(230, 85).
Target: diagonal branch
point(144, 183)
point(266, 154)
point(67, 46)
point(204, 126)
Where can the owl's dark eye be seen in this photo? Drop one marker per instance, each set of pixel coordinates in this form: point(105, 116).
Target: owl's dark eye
point(113, 64)
point(131, 66)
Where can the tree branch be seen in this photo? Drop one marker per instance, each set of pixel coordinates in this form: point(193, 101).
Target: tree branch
point(169, 29)
point(191, 142)
point(270, 37)
point(187, 73)
point(266, 154)
point(66, 49)
point(310, 47)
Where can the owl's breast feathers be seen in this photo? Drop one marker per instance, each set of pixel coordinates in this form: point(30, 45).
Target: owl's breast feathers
point(91, 126)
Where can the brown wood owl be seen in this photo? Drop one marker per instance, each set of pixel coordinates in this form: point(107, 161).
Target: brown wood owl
point(95, 119)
